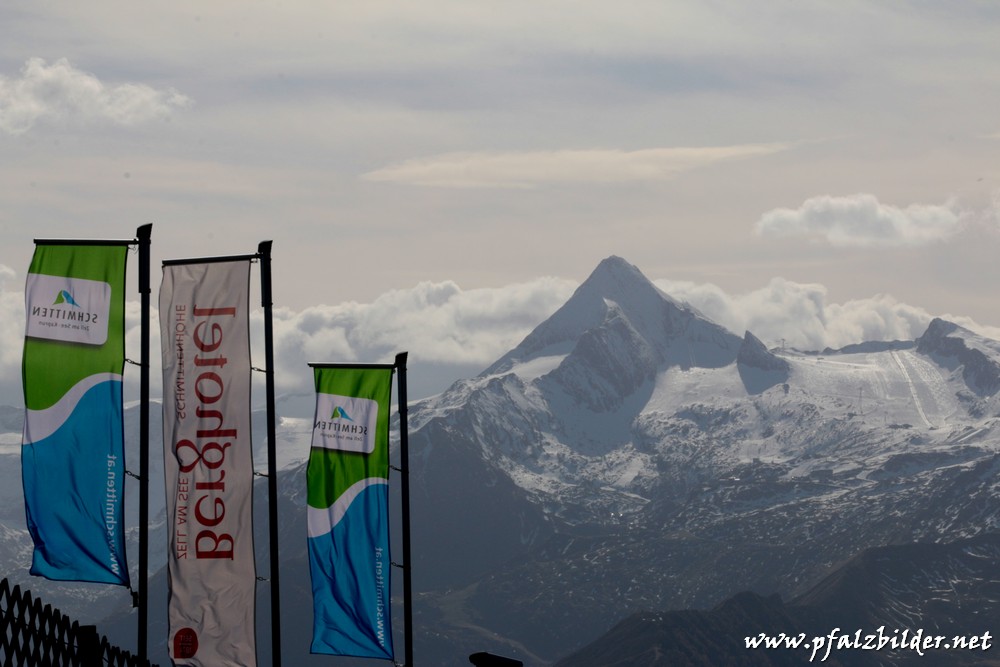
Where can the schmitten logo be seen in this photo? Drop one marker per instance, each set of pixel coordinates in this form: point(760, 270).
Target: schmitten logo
point(65, 297)
point(351, 425)
point(339, 413)
point(74, 310)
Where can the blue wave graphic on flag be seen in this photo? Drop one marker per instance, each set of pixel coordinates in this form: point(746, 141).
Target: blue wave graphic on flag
point(40, 424)
point(350, 572)
point(320, 522)
point(73, 484)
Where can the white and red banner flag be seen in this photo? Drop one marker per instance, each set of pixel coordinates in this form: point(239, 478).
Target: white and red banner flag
point(204, 329)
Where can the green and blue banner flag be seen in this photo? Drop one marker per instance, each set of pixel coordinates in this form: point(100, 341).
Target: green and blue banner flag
point(348, 512)
point(72, 453)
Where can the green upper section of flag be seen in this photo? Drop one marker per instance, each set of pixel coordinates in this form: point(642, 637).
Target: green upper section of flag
point(331, 472)
point(50, 368)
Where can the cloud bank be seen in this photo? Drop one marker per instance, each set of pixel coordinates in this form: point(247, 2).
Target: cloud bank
point(448, 332)
point(451, 333)
point(533, 168)
point(800, 315)
point(861, 220)
point(61, 92)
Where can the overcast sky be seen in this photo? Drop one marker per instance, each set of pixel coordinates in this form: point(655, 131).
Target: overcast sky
point(439, 176)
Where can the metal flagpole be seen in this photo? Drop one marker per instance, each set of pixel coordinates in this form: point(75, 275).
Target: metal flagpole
point(143, 235)
point(404, 464)
point(264, 253)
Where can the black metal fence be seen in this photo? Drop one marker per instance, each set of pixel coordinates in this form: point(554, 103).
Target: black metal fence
point(38, 635)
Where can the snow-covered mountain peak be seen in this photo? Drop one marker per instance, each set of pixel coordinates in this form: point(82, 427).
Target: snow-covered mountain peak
point(941, 334)
point(617, 280)
point(956, 348)
point(754, 354)
point(617, 300)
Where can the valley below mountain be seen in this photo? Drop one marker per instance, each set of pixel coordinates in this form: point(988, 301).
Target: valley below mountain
point(897, 606)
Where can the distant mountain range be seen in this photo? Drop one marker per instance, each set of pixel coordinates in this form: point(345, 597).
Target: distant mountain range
point(630, 455)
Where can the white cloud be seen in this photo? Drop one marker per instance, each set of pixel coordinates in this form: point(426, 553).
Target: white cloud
point(861, 220)
point(799, 314)
point(62, 92)
point(436, 323)
point(532, 168)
